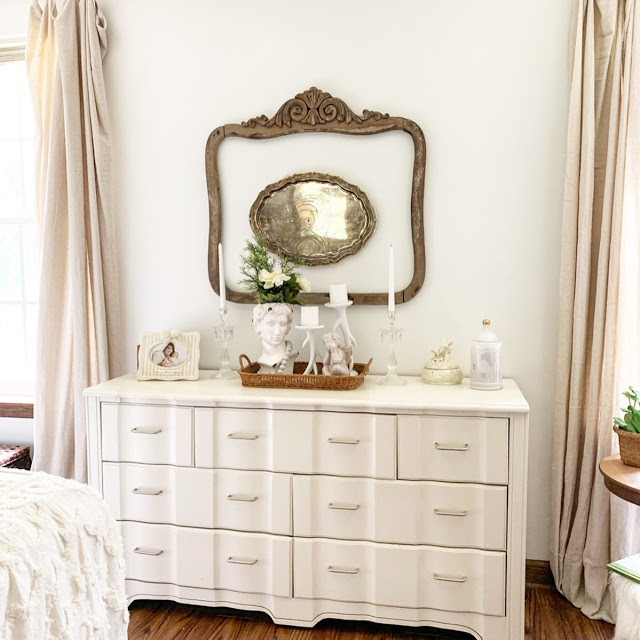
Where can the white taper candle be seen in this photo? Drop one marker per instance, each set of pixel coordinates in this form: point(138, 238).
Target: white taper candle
point(223, 287)
point(392, 284)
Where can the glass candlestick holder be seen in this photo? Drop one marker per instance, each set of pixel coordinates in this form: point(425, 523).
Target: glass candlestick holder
point(391, 336)
point(223, 333)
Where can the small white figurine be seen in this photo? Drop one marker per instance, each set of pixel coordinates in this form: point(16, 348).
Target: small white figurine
point(442, 368)
point(336, 361)
point(339, 301)
point(442, 356)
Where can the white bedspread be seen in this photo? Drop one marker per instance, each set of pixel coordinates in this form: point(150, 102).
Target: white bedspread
point(61, 561)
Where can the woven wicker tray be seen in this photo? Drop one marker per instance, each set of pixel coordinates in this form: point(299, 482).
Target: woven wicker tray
point(298, 380)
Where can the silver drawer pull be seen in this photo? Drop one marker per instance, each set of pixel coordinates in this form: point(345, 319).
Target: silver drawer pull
point(242, 497)
point(445, 578)
point(346, 506)
point(349, 570)
point(239, 560)
point(343, 441)
point(148, 552)
point(146, 430)
point(451, 447)
point(242, 436)
point(450, 512)
point(147, 492)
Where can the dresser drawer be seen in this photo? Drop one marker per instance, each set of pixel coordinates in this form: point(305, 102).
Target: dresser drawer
point(456, 449)
point(247, 562)
point(163, 553)
point(434, 513)
point(412, 577)
point(253, 563)
point(252, 501)
point(219, 499)
point(344, 444)
point(161, 494)
point(138, 433)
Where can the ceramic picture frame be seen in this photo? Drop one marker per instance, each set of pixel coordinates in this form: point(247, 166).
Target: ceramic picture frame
point(171, 355)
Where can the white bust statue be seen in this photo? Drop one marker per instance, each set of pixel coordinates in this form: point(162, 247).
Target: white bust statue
point(272, 323)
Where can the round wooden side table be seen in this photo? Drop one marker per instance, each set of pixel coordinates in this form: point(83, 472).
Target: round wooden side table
point(621, 479)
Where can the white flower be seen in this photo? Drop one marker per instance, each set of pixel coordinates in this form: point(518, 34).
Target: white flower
point(304, 283)
point(272, 278)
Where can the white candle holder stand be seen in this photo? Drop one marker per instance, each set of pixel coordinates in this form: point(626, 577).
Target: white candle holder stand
point(391, 336)
point(349, 341)
point(311, 340)
point(223, 333)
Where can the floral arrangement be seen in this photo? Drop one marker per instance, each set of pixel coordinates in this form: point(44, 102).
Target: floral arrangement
point(271, 279)
point(631, 420)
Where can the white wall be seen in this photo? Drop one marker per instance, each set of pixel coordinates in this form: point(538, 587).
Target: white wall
point(488, 83)
point(13, 17)
point(17, 431)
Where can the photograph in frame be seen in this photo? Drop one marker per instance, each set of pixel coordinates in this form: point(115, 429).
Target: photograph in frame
point(167, 355)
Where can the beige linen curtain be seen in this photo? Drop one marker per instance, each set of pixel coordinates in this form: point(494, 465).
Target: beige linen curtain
point(79, 314)
point(599, 285)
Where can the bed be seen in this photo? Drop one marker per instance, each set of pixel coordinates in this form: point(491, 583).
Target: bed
point(61, 561)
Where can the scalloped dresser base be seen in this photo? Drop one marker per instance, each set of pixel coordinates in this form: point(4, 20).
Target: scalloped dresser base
point(300, 612)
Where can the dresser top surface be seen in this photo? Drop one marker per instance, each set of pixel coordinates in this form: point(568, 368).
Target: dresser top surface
point(415, 395)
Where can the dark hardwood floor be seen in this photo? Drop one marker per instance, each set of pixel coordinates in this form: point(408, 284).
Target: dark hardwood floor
point(548, 617)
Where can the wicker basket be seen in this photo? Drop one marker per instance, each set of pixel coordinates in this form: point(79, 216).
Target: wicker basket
point(249, 373)
point(629, 447)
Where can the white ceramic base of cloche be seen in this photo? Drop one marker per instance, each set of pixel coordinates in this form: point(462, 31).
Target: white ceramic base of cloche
point(441, 376)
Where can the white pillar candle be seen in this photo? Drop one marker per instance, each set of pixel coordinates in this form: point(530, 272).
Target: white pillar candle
point(223, 287)
point(392, 284)
point(338, 293)
point(309, 317)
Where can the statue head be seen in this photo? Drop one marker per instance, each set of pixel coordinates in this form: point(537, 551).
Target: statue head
point(332, 340)
point(272, 322)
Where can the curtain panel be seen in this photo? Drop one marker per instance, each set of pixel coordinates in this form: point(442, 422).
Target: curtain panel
point(598, 352)
point(78, 341)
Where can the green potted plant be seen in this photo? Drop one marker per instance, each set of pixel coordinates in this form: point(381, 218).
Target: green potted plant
point(271, 279)
point(276, 283)
point(628, 429)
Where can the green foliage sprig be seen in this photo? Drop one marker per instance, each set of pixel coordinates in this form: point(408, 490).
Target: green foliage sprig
point(268, 278)
point(631, 421)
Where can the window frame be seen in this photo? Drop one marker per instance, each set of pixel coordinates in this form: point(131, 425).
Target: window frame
point(13, 49)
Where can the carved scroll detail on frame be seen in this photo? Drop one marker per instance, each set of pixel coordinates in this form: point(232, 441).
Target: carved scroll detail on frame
point(313, 107)
point(318, 217)
point(308, 112)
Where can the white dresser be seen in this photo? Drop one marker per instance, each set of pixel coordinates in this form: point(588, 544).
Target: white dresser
point(402, 505)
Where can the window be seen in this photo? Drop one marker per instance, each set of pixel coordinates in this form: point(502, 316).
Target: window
point(18, 262)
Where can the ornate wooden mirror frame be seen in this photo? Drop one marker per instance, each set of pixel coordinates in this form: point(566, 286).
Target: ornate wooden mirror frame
point(317, 111)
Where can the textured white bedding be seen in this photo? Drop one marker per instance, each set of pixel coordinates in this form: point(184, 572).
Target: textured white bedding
point(61, 561)
point(626, 596)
